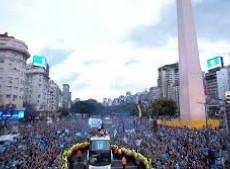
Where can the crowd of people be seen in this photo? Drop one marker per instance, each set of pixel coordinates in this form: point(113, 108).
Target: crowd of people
point(41, 143)
point(177, 147)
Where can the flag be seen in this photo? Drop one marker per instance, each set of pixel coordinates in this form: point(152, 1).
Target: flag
point(125, 139)
point(42, 143)
point(115, 134)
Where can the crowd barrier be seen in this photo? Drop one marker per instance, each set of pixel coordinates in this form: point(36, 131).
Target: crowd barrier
point(199, 124)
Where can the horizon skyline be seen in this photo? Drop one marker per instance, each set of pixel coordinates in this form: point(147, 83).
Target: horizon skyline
point(108, 48)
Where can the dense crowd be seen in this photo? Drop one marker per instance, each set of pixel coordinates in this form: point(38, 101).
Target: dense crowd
point(40, 143)
point(178, 147)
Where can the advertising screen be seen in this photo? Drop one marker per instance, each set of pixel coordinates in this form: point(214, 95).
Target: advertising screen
point(39, 61)
point(215, 62)
point(15, 115)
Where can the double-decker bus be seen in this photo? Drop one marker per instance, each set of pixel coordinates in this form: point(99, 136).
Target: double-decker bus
point(100, 153)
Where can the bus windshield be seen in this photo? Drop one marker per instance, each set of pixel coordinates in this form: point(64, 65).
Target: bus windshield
point(103, 145)
point(99, 153)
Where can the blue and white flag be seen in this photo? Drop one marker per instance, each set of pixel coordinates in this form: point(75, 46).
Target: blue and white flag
point(125, 139)
point(115, 134)
point(42, 143)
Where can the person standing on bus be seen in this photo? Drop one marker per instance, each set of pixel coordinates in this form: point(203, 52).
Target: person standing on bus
point(123, 162)
point(79, 155)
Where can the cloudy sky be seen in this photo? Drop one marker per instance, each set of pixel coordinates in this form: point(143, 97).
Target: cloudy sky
point(104, 48)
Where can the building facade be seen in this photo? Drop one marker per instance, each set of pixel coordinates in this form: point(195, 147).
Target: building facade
point(54, 97)
point(153, 94)
point(168, 81)
point(13, 57)
point(217, 82)
point(66, 102)
point(223, 82)
point(37, 87)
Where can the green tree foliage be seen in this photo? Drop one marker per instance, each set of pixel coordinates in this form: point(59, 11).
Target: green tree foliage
point(163, 106)
point(122, 109)
point(91, 107)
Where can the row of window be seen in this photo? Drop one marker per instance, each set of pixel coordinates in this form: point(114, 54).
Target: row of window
point(14, 97)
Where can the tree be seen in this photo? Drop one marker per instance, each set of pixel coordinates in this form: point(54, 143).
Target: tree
point(63, 112)
point(163, 106)
point(90, 107)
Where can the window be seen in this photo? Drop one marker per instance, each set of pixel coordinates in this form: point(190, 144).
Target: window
point(39, 96)
point(14, 97)
point(9, 88)
point(8, 96)
point(16, 80)
point(10, 80)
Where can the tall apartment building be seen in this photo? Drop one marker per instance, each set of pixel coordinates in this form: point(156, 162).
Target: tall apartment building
point(217, 82)
point(13, 57)
point(223, 82)
point(54, 97)
point(66, 104)
point(168, 81)
point(36, 88)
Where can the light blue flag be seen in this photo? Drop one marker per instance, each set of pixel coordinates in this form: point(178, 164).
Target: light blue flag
point(115, 134)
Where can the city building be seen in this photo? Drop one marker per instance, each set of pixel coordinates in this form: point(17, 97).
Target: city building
point(168, 81)
point(54, 97)
point(223, 82)
point(66, 104)
point(192, 98)
point(153, 94)
point(37, 87)
point(128, 93)
point(216, 73)
point(13, 57)
point(76, 100)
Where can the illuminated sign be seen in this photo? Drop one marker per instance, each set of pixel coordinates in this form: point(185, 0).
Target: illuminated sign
point(39, 61)
point(15, 115)
point(215, 62)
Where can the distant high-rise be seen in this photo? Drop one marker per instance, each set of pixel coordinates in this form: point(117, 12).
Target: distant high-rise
point(66, 97)
point(13, 57)
point(54, 97)
point(168, 81)
point(192, 99)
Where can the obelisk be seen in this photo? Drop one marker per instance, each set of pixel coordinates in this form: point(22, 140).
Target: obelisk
point(192, 98)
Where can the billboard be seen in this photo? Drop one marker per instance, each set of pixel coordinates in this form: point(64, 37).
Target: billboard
point(11, 116)
point(215, 62)
point(39, 61)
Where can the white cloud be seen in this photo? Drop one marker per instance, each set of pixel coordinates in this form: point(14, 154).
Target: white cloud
point(94, 30)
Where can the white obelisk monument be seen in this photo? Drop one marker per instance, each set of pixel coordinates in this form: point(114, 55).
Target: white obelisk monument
point(192, 98)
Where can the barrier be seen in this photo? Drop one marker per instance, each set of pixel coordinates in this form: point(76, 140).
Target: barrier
point(213, 123)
